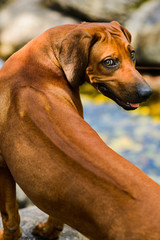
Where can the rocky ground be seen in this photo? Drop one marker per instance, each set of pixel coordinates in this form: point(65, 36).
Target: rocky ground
point(22, 20)
point(31, 216)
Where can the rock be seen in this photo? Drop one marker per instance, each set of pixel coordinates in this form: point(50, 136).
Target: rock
point(144, 25)
point(22, 199)
point(97, 9)
point(23, 20)
point(2, 2)
point(32, 17)
point(32, 215)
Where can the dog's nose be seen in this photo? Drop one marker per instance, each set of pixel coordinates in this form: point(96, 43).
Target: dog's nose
point(144, 92)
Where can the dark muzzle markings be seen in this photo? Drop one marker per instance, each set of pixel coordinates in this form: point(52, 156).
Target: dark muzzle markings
point(142, 94)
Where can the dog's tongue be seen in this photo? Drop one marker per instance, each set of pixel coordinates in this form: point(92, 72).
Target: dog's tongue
point(134, 105)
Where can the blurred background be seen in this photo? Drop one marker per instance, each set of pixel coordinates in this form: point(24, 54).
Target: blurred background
point(135, 135)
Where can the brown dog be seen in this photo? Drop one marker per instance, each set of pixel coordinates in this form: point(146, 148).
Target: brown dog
point(54, 155)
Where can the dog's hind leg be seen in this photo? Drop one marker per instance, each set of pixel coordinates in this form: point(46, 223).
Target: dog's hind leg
point(8, 206)
point(51, 229)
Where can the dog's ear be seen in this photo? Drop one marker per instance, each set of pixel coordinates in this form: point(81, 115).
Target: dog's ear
point(74, 54)
point(126, 33)
point(124, 30)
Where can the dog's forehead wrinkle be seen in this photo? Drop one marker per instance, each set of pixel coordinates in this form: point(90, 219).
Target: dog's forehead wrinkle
point(123, 47)
point(113, 31)
point(110, 30)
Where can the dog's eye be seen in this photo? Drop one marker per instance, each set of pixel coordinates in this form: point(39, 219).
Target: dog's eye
point(109, 62)
point(133, 57)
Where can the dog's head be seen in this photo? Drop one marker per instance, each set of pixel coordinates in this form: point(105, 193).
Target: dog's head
point(101, 53)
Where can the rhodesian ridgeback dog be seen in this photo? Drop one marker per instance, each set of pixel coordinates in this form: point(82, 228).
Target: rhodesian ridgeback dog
point(58, 160)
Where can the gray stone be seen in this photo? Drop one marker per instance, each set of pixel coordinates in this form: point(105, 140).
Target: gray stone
point(144, 26)
point(20, 21)
point(98, 9)
point(30, 218)
point(22, 199)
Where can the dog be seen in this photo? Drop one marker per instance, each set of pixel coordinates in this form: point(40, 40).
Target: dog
point(58, 160)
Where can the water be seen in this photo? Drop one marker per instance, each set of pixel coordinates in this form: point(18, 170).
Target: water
point(135, 137)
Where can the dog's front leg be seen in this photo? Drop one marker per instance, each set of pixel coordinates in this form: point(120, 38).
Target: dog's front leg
point(51, 229)
point(8, 206)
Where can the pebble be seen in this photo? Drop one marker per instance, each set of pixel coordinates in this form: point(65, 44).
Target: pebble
point(30, 218)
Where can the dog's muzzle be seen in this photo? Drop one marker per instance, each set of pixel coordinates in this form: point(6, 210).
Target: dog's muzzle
point(141, 95)
point(144, 92)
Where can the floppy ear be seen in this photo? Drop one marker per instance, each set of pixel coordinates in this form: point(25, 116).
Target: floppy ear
point(74, 54)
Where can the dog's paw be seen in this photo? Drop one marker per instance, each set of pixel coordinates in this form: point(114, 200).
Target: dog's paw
point(10, 236)
point(39, 229)
point(43, 230)
point(1, 234)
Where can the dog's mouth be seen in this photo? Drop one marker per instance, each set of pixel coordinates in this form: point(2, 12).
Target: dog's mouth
point(106, 92)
